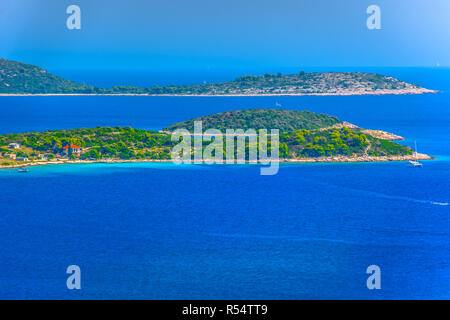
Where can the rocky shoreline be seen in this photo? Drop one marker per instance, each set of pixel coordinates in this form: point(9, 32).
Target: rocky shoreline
point(379, 134)
point(420, 156)
point(336, 93)
point(333, 159)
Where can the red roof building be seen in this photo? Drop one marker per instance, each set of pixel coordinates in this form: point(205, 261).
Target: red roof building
point(72, 146)
point(75, 149)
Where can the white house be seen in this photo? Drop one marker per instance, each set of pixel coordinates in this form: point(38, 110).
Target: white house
point(76, 150)
point(14, 146)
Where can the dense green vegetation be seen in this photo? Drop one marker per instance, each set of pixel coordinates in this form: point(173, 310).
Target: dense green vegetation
point(16, 77)
point(332, 142)
point(104, 142)
point(283, 120)
point(303, 134)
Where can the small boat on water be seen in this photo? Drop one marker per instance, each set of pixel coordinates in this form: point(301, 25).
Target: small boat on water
point(24, 169)
point(415, 163)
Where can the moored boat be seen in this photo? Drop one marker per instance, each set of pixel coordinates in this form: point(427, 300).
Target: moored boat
point(415, 163)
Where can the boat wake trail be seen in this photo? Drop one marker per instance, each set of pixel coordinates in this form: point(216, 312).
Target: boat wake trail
point(401, 198)
point(390, 197)
point(440, 203)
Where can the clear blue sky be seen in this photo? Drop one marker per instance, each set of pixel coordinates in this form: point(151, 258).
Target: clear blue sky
point(221, 34)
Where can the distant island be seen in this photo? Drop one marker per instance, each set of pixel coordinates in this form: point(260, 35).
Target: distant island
point(18, 78)
point(304, 137)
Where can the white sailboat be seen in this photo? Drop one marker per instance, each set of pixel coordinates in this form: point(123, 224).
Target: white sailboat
point(415, 163)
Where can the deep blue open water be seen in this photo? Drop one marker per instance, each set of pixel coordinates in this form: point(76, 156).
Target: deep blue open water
point(162, 231)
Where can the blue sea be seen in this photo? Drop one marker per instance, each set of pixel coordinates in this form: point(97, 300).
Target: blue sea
point(166, 231)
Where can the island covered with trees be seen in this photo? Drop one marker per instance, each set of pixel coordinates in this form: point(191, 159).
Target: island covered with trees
point(18, 78)
point(303, 136)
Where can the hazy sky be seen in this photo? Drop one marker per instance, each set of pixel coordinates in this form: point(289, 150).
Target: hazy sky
point(221, 34)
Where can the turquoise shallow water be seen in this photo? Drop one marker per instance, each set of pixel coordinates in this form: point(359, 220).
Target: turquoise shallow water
point(156, 231)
